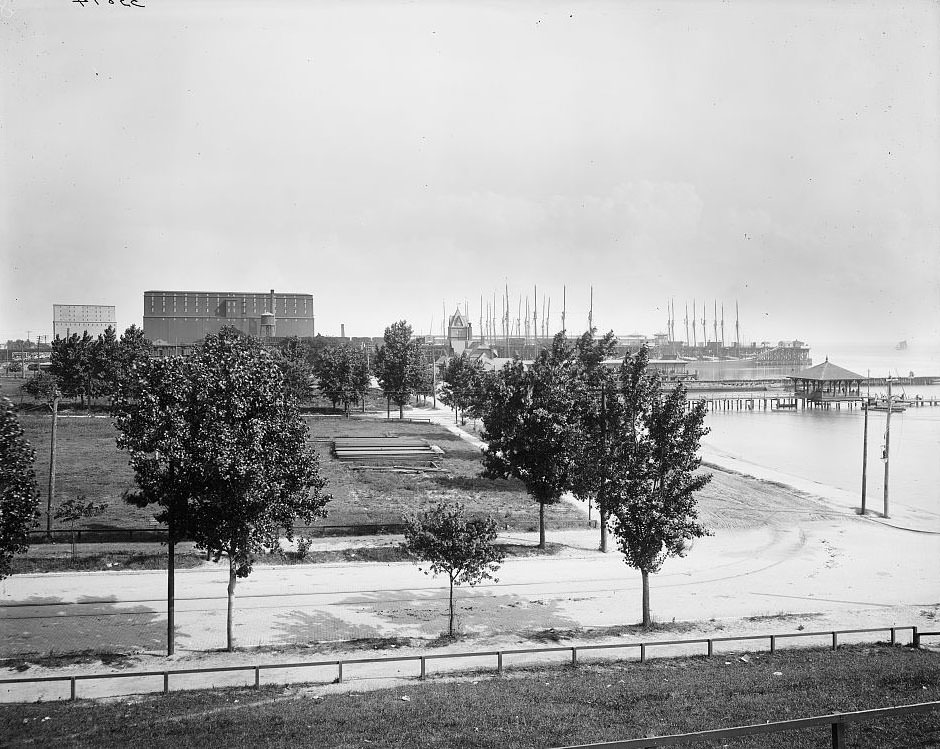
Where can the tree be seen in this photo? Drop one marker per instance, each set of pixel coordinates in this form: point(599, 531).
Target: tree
point(46, 388)
point(228, 456)
point(394, 363)
point(71, 364)
point(652, 486)
point(461, 380)
point(296, 369)
point(159, 428)
point(597, 411)
point(105, 365)
point(532, 427)
point(76, 509)
point(419, 378)
point(19, 498)
point(452, 544)
point(133, 354)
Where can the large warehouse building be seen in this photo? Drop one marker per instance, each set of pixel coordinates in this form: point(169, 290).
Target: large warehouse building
point(180, 318)
point(80, 318)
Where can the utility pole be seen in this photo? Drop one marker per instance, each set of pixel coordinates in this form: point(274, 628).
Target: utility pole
point(865, 455)
point(563, 306)
point(56, 395)
point(887, 454)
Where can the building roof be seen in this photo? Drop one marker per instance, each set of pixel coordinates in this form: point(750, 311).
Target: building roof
point(456, 320)
point(826, 372)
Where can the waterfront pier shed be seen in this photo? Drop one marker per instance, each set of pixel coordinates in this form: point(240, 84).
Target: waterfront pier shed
point(827, 383)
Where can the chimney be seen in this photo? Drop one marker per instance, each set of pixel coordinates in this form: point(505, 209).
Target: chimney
point(342, 330)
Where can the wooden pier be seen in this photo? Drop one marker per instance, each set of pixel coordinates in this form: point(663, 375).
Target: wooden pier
point(790, 402)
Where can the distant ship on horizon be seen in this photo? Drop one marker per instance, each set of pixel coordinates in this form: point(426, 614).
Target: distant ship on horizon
point(902, 346)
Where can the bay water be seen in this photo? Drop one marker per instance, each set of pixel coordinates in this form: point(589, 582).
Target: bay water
point(824, 446)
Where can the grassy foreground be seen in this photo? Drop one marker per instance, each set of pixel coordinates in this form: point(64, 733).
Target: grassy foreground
point(527, 708)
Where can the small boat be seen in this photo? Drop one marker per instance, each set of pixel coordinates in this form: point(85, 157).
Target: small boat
point(881, 404)
point(902, 346)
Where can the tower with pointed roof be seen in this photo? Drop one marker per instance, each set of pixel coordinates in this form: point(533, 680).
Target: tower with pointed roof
point(459, 332)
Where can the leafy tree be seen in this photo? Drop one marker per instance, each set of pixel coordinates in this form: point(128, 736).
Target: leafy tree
point(104, 370)
point(76, 509)
point(71, 363)
point(532, 426)
point(394, 364)
point(133, 354)
point(452, 544)
point(295, 367)
point(461, 382)
point(343, 374)
point(597, 410)
point(361, 375)
point(419, 377)
point(227, 455)
point(19, 497)
point(46, 388)
point(651, 487)
point(159, 428)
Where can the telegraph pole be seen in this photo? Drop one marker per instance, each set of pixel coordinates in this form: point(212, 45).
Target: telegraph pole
point(887, 445)
point(865, 445)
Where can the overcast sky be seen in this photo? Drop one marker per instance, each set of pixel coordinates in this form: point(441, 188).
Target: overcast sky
point(392, 158)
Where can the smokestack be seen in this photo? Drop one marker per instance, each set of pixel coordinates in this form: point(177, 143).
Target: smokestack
point(271, 307)
point(342, 330)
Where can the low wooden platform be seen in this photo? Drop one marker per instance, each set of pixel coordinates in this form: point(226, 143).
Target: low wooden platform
point(385, 449)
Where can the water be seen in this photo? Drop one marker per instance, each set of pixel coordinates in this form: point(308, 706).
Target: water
point(825, 446)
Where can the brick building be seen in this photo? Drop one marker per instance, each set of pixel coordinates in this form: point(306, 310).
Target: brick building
point(180, 318)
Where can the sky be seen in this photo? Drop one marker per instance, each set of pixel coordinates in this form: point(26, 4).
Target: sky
point(396, 159)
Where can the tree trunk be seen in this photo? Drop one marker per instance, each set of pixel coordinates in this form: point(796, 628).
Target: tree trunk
point(450, 625)
point(401, 410)
point(170, 592)
point(541, 525)
point(230, 642)
point(647, 620)
point(603, 514)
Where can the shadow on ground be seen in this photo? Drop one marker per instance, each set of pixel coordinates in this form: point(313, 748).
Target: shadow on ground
point(49, 626)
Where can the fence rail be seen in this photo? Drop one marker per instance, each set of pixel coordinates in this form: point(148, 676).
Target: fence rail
point(836, 721)
point(500, 656)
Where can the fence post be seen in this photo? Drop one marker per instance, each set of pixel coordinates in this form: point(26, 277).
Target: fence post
point(257, 677)
point(72, 691)
point(423, 671)
point(574, 657)
point(166, 682)
point(773, 643)
point(339, 677)
point(893, 636)
point(915, 641)
point(835, 640)
point(499, 662)
point(711, 648)
point(838, 735)
point(642, 652)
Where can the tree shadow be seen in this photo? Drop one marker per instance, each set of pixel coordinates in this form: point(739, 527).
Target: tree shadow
point(50, 626)
point(305, 627)
point(425, 612)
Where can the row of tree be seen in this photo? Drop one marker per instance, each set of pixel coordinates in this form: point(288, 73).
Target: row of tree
point(567, 423)
point(87, 367)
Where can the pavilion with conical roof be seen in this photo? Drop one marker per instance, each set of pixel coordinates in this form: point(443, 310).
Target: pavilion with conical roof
point(827, 383)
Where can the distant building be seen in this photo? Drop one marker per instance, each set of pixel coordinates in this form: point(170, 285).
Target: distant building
point(180, 318)
point(80, 318)
point(459, 333)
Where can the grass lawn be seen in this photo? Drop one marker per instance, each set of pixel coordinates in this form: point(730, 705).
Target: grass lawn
point(603, 701)
point(363, 496)
point(88, 462)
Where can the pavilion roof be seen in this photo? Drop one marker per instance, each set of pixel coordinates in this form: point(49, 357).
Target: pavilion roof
point(826, 372)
